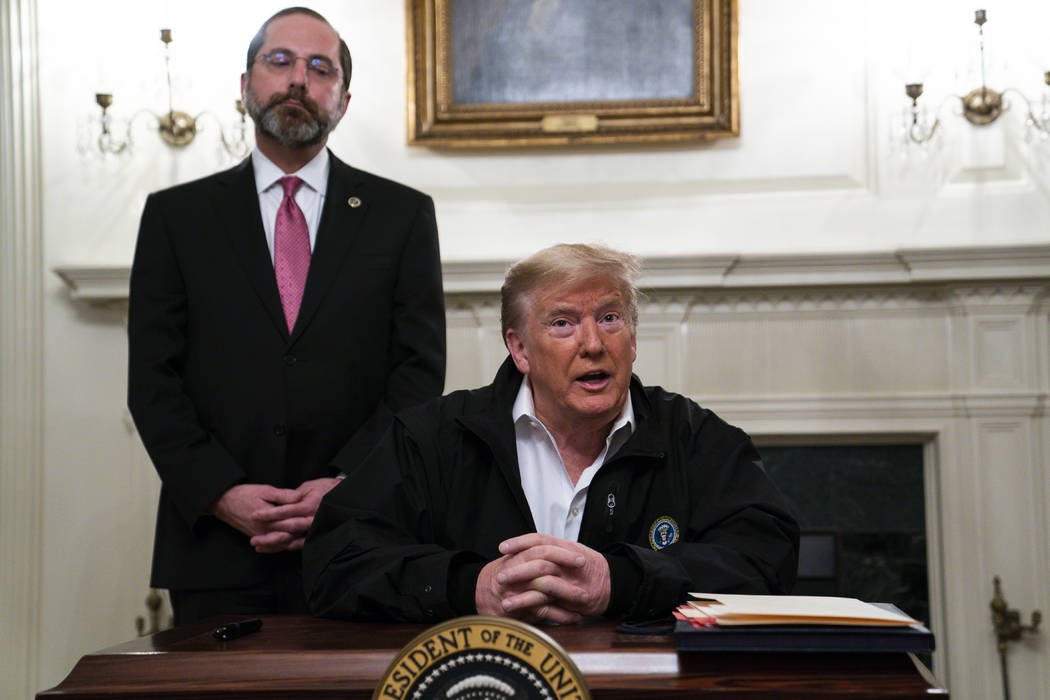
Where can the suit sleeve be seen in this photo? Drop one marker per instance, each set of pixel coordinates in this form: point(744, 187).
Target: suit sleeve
point(372, 554)
point(193, 467)
point(740, 538)
point(417, 338)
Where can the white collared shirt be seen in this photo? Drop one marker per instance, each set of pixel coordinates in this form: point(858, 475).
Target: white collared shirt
point(310, 196)
point(556, 504)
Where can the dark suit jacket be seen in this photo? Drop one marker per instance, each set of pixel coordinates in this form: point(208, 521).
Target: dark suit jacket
point(221, 394)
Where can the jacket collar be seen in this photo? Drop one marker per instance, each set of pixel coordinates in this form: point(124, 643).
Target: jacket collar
point(492, 422)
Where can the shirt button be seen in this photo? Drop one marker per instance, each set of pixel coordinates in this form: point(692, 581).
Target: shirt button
point(279, 430)
point(575, 511)
point(289, 360)
point(427, 588)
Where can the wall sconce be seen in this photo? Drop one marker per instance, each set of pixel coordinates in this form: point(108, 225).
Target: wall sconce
point(175, 127)
point(980, 106)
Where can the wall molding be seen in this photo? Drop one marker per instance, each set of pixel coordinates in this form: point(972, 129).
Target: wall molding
point(109, 283)
point(1032, 404)
point(21, 353)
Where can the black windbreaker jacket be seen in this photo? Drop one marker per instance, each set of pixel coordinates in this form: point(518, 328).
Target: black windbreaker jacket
point(685, 505)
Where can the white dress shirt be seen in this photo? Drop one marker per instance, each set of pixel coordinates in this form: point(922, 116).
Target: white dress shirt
point(556, 504)
point(310, 196)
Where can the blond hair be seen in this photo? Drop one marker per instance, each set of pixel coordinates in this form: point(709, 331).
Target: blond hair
point(568, 264)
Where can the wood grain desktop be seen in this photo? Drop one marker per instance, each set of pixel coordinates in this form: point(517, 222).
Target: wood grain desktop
point(302, 657)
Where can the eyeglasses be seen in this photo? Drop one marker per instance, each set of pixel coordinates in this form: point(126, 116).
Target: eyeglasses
point(282, 61)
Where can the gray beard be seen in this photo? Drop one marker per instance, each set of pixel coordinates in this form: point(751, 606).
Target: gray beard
point(293, 134)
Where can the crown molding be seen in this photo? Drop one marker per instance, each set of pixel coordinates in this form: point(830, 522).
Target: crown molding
point(96, 283)
point(1013, 262)
point(109, 283)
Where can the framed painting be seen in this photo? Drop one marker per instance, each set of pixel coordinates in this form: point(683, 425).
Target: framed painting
point(485, 73)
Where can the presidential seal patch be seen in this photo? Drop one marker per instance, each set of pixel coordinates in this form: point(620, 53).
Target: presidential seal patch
point(480, 656)
point(663, 533)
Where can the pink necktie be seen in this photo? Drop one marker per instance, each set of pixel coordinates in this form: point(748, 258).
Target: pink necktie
point(291, 251)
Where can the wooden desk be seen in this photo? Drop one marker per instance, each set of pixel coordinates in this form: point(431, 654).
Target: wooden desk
point(303, 657)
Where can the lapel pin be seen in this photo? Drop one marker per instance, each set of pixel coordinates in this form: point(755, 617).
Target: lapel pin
point(354, 202)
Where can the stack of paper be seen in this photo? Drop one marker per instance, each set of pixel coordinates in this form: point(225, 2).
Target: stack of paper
point(727, 610)
point(766, 623)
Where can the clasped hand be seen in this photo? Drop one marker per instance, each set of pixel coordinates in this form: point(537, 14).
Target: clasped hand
point(541, 578)
point(275, 519)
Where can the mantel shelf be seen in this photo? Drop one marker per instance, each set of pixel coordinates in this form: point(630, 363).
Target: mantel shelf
point(109, 283)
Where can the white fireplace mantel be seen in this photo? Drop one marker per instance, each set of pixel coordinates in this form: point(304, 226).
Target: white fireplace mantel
point(109, 283)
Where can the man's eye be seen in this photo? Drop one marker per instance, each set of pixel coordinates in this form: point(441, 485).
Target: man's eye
point(320, 66)
point(609, 318)
point(561, 328)
point(280, 59)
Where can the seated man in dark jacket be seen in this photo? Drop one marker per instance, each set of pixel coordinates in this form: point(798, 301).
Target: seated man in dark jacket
point(565, 489)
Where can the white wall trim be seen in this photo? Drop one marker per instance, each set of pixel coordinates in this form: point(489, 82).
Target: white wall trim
point(21, 353)
point(104, 283)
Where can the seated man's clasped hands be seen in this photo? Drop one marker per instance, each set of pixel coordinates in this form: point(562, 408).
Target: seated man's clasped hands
point(541, 578)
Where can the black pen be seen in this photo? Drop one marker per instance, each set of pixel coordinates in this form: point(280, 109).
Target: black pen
point(236, 629)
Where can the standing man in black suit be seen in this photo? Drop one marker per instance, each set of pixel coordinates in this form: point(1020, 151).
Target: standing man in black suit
point(280, 313)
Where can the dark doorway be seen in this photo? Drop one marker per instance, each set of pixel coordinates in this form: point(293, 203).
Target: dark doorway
point(863, 516)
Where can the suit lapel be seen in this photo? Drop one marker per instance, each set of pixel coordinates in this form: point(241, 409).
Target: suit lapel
point(341, 221)
point(237, 204)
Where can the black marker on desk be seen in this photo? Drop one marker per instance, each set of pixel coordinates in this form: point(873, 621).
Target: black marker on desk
point(236, 629)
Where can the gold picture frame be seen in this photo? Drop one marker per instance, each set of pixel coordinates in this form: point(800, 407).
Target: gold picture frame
point(449, 107)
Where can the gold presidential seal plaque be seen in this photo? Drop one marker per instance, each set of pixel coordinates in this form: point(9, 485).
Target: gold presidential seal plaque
point(481, 657)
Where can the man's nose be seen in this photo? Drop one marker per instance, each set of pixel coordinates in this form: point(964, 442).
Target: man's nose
point(590, 338)
point(299, 71)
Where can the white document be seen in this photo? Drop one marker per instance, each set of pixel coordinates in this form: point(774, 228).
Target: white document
point(734, 609)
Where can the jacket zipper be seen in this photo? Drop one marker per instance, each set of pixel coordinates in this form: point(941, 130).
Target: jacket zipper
point(610, 504)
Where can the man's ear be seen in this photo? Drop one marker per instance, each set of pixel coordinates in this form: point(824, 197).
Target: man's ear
point(518, 352)
point(244, 83)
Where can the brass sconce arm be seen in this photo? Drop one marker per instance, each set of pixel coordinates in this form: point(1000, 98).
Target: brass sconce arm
point(1008, 628)
point(235, 139)
point(109, 140)
point(1040, 122)
point(1007, 622)
point(919, 131)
